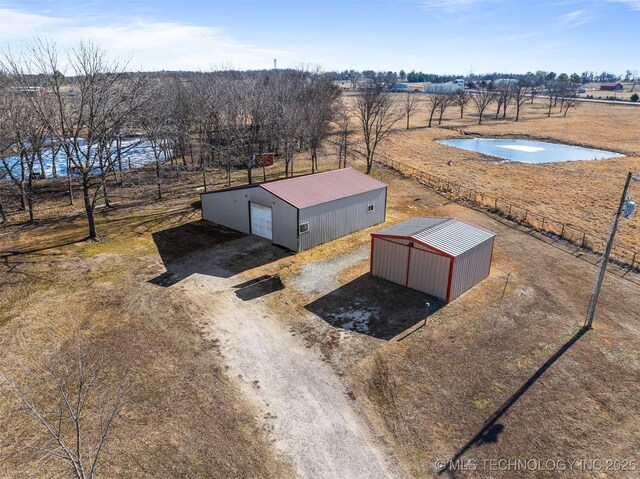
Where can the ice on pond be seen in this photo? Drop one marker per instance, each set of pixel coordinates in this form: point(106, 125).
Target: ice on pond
point(522, 148)
point(529, 151)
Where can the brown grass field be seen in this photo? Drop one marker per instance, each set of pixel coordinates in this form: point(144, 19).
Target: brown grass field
point(503, 370)
point(427, 395)
point(182, 417)
point(582, 193)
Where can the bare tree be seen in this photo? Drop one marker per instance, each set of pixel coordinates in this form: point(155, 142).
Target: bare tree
point(569, 99)
point(287, 117)
point(354, 78)
point(411, 104)
point(520, 95)
point(318, 105)
point(159, 124)
point(533, 91)
point(3, 214)
point(460, 99)
point(482, 98)
point(437, 99)
point(343, 132)
point(27, 138)
point(71, 402)
point(442, 107)
point(377, 113)
point(504, 95)
point(104, 96)
point(554, 91)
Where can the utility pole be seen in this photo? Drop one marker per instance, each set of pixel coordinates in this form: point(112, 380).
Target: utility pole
point(605, 257)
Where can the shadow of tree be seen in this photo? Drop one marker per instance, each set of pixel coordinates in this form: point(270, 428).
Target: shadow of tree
point(492, 428)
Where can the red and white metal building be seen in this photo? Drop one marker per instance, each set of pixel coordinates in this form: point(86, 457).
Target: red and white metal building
point(443, 257)
point(300, 212)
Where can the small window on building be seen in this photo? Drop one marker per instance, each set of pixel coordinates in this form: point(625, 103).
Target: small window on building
point(303, 228)
point(370, 208)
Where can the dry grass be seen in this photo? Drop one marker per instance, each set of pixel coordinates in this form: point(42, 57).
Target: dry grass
point(182, 417)
point(433, 391)
point(428, 394)
point(444, 381)
point(582, 193)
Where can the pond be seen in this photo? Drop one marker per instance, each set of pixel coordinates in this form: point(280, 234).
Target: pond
point(528, 151)
point(134, 152)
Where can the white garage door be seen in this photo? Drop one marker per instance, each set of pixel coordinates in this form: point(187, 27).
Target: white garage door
point(261, 220)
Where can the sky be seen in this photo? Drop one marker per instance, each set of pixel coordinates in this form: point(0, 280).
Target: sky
point(435, 36)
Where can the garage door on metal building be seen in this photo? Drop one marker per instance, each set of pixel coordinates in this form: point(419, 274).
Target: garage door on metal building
point(261, 220)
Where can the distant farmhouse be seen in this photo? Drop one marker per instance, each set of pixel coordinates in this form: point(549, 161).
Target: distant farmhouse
point(29, 90)
point(449, 87)
point(611, 87)
point(399, 87)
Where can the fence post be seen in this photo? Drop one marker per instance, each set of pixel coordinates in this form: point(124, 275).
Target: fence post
point(526, 214)
point(509, 210)
point(543, 219)
point(584, 236)
point(495, 204)
point(562, 231)
point(633, 260)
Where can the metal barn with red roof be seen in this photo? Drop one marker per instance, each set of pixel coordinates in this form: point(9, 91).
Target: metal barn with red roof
point(300, 212)
point(443, 257)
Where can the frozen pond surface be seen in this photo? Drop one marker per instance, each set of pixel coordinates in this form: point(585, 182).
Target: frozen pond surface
point(528, 151)
point(135, 152)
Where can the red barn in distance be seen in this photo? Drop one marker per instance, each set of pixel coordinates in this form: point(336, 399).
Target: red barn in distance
point(263, 159)
point(611, 86)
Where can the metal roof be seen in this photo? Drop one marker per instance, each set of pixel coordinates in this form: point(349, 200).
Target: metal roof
point(449, 235)
point(311, 190)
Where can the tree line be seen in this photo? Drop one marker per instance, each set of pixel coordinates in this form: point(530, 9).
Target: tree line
point(539, 76)
point(223, 118)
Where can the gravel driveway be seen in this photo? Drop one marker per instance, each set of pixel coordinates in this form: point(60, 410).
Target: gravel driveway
point(303, 404)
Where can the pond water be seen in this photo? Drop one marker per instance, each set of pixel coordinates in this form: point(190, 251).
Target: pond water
point(528, 151)
point(135, 152)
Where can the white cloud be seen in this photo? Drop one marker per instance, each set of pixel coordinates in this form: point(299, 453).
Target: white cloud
point(575, 18)
point(632, 4)
point(149, 45)
point(450, 6)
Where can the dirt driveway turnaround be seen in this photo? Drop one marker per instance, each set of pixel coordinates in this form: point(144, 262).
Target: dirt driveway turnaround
point(304, 405)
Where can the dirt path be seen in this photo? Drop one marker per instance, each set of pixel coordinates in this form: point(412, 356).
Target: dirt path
point(303, 403)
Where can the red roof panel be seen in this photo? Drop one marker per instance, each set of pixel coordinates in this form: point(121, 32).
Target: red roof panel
point(311, 190)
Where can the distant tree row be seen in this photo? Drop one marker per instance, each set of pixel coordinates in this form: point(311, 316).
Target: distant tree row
point(540, 76)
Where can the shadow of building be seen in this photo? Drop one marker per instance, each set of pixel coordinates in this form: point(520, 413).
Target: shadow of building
point(374, 306)
point(206, 248)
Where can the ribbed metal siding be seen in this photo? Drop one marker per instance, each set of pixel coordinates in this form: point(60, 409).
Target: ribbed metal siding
point(231, 209)
point(454, 236)
point(390, 260)
point(412, 226)
point(328, 221)
point(429, 273)
point(471, 267)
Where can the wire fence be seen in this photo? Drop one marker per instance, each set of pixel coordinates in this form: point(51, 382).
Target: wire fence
point(547, 225)
point(139, 188)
